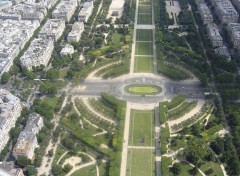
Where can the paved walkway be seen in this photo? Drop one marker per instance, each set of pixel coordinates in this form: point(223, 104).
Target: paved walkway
point(141, 147)
point(125, 141)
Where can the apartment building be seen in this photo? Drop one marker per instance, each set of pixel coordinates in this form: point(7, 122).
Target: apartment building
point(223, 51)
point(205, 13)
point(10, 169)
point(38, 53)
point(27, 11)
point(65, 10)
point(13, 36)
point(85, 12)
point(234, 33)
point(214, 35)
point(53, 29)
point(10, 110)
point(67, 50)
point(76, 32)
point(225, 11)
point(27, 140)
point(5, 5)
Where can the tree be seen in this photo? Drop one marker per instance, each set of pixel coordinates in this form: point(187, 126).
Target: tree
point(67, 168)
point(23, 161)
point(52, 74)
point(57, 170)
point(175, 169)
point(5, 78)
point(31, 171)
point(70, 74)
point(67, 142)
point(194, 171)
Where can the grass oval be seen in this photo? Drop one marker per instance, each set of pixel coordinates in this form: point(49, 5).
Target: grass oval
point(143, 89)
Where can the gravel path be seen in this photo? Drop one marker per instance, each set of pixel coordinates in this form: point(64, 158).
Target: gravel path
point(45, 167)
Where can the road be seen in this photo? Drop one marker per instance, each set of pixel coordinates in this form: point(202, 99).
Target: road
point(116, 87)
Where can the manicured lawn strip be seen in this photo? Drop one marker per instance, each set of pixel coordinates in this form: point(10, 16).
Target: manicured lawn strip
point(176, 101)
point(165, 135)
point(183, 109)
point(140, 162)
point(144, 9)
point(141, 128)
point(165, 163)
point(144, 18)
point(143, 64)
point(86, 171)
point(144, 48)
point(144, 35)
point(143, 89)
point(216, 168)
point(163, 110)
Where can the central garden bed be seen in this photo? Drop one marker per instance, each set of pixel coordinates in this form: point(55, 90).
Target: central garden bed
point(143, 89)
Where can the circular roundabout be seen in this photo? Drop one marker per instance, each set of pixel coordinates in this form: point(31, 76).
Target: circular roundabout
point(143, 89)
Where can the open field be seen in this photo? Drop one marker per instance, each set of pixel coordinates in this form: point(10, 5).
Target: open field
point(144, 35)
point(144, 9)
point(140, 162)
point(143, 89)
point(144, 48)
point(141, 128)
point(143, 64)
point(144, 18)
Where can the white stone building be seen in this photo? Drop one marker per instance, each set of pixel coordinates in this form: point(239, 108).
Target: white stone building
point(85, 12)
point(10, 110)
point(65, 10)
point(234, 33)
point(76, 32)
point(38, 53)
point(27, 140)
point(225, 11)
point(53, 28)
point(13, 36)
point(67, 50)
point(214, 35)
point(205, 13)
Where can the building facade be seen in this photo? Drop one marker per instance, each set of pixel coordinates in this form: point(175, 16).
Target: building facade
point(27, 140)
point(10, 110)
point(38, 53)
point(53, 29)
point(214, 35)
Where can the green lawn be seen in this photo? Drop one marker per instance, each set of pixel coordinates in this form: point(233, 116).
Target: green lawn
point(63, 72)
point(141, 128)
point(144, 9)
point(140, 162)
point(87, 171)
point(50, 101)
point(186, 170)
point(144, 48)
point(59, 152)
point(144, 18)
point(143, 64)
point(216, 168)
point(143, 89)
point(116, 38)
point(144, 35)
